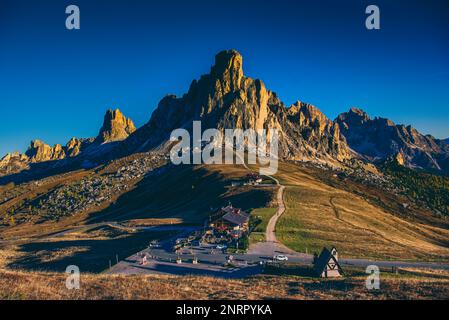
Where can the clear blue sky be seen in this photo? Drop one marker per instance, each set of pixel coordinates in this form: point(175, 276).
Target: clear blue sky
point(55, 83)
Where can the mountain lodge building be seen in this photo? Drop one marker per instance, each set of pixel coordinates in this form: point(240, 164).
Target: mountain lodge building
point(231, 220)
point(326, 265)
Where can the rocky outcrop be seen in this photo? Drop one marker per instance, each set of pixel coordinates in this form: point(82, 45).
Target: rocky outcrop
point(39, 151)
point(227, 99)
point(76, 146)
point(13, 162)
point(73, 147)
point(317, 131)
point(116, 127)
point(399, 158)
point(380, 138)
point(15, 156)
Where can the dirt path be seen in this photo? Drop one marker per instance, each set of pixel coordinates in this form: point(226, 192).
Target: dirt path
point(272, 246)
point(270, 233)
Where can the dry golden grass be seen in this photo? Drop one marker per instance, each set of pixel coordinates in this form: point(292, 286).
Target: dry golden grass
point(93, 250)
point(319, 215)
point(183, 194)
point(26, 285)
point(152, 222)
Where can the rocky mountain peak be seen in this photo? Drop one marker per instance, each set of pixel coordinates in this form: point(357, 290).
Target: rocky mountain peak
point(358, 112)
point(38, 151)
point(12, 156)
point(354, 116)
point(116, 127)
point(308, 115)
point(228, 68)
point(381, 138)
point(13, 162)
point(73, 147)
point(226, 99)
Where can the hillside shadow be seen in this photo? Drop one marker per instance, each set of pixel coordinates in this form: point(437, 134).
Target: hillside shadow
point(277, 269)
point(98, 155)
point(41, 170)
point(88, 255)
point(237, 273)
point(187, 192)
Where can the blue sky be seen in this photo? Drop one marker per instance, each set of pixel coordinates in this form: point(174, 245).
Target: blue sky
point(56, 83)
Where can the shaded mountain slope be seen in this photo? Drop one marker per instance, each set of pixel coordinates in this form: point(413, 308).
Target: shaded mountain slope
point(380, 138)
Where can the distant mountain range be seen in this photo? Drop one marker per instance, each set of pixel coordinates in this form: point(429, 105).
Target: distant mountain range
point(379, 138)
point(226, 98)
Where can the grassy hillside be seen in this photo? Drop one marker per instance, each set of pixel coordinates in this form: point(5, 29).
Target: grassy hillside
point(260, 218)
point(184, 193)
point(187, 193)
point(408, 285)
point(91, 249)
point(320, 215)
point(181, 195)
point(428, 189)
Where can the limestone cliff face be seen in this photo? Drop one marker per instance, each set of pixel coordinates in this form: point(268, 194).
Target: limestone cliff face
point(39, 151)
point(318, 132)
point(116, 127)
point(76, 146)
point(227, 99)
point(73, 147)
point(13, 162)
point(399, 158)
point(13, 156)
point(379, 139)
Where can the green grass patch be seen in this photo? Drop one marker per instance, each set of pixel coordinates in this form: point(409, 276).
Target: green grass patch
point(260, 218)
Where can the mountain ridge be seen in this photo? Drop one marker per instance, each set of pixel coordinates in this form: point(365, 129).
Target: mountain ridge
point(377, 139)
point(116, 127)
point(226, 98)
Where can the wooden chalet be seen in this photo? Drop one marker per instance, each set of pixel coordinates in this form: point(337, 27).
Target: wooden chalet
point(326, 265)
point(253, 179)
point(231, 219)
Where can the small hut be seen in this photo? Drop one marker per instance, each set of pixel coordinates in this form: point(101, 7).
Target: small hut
point(326, 265)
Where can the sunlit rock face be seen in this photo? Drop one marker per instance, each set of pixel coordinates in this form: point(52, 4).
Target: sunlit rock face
point(39, 151)
point(116, 127)
point(380, 138)
point(226, 99)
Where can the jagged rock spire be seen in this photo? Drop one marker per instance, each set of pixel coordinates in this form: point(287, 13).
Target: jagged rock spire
point(116, 127)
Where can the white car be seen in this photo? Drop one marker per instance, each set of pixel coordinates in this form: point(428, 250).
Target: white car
point(155, 245)
point(221, 247)
point(281, 257)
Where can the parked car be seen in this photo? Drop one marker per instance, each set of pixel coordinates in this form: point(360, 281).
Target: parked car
point(181, 241)
point(221, 247)
point(280, 257)
point(155, 245)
